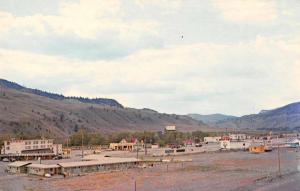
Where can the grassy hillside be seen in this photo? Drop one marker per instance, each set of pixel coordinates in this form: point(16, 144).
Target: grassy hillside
point(24, 114)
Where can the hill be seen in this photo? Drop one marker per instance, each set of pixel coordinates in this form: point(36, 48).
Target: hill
point(24, 113)
point(286, 118)
point(212, 118)
point(100, 101)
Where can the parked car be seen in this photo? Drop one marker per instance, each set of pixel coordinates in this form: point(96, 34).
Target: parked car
point(58, 157)
point(198, 145)
point(5, 160)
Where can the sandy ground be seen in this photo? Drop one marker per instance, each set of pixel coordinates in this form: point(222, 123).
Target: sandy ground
point(207, 171)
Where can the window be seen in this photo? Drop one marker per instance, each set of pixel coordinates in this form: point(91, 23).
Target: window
point(7, 148)
point(27, 142)
point(35, 142)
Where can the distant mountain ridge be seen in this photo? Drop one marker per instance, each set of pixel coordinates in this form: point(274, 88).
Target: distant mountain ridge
point(100, 101)
point(212, 118)
point(286, 118)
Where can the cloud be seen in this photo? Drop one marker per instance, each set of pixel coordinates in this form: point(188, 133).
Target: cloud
point(201, 77)
point(133, 51)
point(86, 29)
point(86, 19)
point(166, 6)
point(247, 11)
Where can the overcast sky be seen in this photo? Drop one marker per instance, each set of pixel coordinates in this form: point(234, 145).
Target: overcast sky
point(235, 57)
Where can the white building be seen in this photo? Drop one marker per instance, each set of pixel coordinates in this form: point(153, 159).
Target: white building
point(227, 145)
point(212, 139)
point(236, 137)
point(170, 128)
point(31, 146)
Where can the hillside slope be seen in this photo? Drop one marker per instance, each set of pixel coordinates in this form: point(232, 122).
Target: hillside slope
point(283, 118)
point(100, 101)
point(24, 113)
point(212, 118)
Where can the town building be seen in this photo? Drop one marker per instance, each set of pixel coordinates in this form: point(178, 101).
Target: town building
point(228, 145)
point(170, 128)
point(123, 145)
point(237, 137)
point(212, 139)
point(35, 146)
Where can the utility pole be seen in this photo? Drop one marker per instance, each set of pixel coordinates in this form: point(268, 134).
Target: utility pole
point(137, 149)
point(278, 156)
point(145, 144)
point(81, 143)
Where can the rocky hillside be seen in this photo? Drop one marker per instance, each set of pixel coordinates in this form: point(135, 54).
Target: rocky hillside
point(25, 113)
point(285, 118)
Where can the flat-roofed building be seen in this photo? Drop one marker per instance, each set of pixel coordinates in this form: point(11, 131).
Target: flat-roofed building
point(170, 128)
point(100, 164)
point(17, 167)
point(237, 137)
point(212, 139)
point(42, 169)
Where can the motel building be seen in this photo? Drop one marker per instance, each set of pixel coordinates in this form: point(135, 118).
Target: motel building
point(92, 163)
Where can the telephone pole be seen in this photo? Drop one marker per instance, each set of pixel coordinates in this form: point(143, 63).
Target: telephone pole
point(81, 143)
point(137, 151)
point(278, 156)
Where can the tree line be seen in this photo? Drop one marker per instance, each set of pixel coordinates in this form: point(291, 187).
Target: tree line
point(161, 138)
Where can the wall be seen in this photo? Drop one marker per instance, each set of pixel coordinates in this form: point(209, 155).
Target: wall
point(71, 171)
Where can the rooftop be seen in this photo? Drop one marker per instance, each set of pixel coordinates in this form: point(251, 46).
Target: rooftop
point(98, 161)
point(43, 166)
point(18, 164)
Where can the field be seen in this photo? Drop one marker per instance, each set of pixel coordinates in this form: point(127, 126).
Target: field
point(207, 171)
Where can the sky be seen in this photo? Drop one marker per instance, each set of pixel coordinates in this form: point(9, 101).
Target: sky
point(178, 56)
